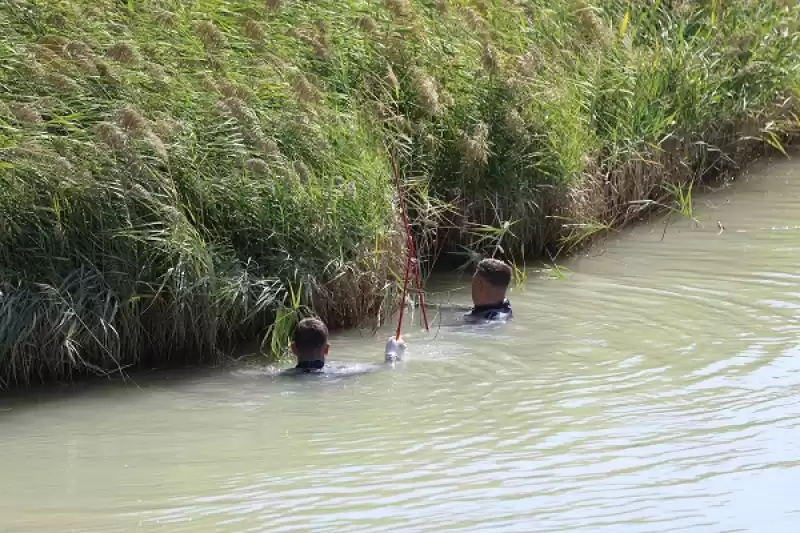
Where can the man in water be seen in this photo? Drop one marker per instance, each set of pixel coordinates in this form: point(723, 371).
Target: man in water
point(489, 287)
point(310, 346)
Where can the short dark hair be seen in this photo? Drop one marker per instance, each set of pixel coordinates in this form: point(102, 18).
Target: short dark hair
point(496, 272)
point(310, 335)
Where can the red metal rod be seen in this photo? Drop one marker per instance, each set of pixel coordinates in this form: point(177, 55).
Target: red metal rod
point(411, 250)
point(403, 299)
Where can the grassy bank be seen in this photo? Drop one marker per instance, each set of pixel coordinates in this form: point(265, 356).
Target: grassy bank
point(171, 173)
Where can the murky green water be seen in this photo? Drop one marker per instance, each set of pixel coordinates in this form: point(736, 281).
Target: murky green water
point(654, 389)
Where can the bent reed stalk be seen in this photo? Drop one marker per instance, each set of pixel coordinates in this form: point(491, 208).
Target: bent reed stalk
point(171, 172)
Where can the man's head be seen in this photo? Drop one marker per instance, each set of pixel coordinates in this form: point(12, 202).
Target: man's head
point(310, 340)
point(490, 282)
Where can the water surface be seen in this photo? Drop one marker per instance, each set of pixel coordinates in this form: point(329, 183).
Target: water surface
point(652, 389)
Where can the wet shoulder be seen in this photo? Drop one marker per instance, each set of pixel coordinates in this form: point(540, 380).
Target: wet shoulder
point(333, 369)
point(499, 312)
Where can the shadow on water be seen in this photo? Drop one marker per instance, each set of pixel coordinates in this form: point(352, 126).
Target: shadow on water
point(99, 389)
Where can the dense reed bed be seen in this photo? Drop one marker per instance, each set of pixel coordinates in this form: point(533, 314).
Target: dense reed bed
point(173, 174)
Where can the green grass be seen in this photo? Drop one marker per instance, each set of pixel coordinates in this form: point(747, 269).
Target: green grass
point(169, 169)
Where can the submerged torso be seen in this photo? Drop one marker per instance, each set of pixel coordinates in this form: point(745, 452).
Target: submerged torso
point(497, 312)
point(333, 368)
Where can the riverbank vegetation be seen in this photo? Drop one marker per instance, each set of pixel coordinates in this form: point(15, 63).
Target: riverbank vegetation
point(172, 173)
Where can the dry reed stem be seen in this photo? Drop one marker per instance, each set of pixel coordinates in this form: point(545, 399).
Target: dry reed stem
point(238, 109)
point(302, 171)
point(368, 24)
point(425, 87)
point(593, 26)
point(399, 8)
point(257, 166)
point(391, 78)
point(63, 165)
point(157, 73)
point(124, 52)
point(360, 289)
point(57, 20)
point(131, 120)
point(25, 113)
point(61, 82)
point(106, 72)
point(236, 90)
point(211, 36)
point(683, 7)
point(475, 150)
point(78, 50)
point(431, 143)
point(166, 128)
point(111, 135)
point(165, 18)
point(490, 59)
point(319, 48)
point(157, 145)
point(55, 43)
point(303, 90)
point(253, 31)
point(624, 193)
point(477, 23)
point(270, 148)
point(516, 125)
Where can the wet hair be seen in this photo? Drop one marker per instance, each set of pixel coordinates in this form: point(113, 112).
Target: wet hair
point(497, 273)
point(310, 335)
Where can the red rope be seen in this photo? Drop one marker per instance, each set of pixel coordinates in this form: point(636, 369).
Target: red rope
point(411, 260)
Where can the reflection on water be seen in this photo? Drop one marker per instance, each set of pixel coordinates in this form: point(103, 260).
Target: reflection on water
point(652, 390)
